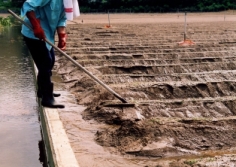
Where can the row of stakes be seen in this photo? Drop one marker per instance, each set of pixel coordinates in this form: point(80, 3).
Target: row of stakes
point(185, 42)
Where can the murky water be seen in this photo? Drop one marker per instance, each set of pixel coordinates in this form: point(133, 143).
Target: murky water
point(19, 124)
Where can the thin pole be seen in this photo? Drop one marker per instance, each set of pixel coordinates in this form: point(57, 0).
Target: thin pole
point(109, 18)
point(185, 25)
point(73, 61)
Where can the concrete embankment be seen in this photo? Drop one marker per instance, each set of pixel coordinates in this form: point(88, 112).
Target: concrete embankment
point(57, 147)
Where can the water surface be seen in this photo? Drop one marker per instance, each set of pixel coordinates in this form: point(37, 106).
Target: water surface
point(19, 123)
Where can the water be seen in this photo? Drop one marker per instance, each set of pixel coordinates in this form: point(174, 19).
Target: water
point(19, 122)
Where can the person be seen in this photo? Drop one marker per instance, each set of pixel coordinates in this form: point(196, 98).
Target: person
point(46, 17)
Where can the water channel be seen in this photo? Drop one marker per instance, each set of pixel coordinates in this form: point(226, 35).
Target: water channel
point(19, 121)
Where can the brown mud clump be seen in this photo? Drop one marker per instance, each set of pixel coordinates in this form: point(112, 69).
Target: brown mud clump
point(184, 96)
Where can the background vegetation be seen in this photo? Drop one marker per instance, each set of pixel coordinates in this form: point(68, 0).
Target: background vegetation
point(6, 21)
point(142, 5)
point(157, 5)
point(8, 4)
point(4, 5)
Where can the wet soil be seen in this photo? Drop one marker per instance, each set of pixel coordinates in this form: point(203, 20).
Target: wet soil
point(184, 96)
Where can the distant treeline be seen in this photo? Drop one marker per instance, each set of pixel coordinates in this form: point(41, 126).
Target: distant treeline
point(148, 5)
point(157, 5)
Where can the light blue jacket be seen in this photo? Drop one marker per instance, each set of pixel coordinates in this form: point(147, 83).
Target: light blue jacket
point(51, 14)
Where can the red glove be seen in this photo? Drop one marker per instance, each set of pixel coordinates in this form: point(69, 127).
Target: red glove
point(38, 31)
point(62, 41)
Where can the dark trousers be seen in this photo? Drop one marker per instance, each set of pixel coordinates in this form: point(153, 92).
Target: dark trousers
point(44, 60)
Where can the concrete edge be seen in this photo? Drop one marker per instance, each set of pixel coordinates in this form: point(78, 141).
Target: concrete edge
point(57, 146)
point(50, 160)
point(60, 153)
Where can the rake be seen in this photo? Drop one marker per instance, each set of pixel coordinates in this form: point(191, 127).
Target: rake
point(124, 101)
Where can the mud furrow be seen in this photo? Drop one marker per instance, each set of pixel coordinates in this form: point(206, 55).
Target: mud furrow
point(167, 69)
point(157, 56)
point(153, 62)
point(185, 77)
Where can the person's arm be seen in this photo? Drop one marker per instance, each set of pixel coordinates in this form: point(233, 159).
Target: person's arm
point(28, 10)
point(61, 31)
point(38, 31)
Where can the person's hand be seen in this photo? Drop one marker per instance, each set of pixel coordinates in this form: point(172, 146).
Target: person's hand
point(62, 41)
point(38, 31)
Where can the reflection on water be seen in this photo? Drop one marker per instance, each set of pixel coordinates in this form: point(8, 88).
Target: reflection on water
point(19, 125)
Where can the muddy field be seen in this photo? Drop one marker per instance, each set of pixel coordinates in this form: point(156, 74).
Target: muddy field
point(184, 96)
